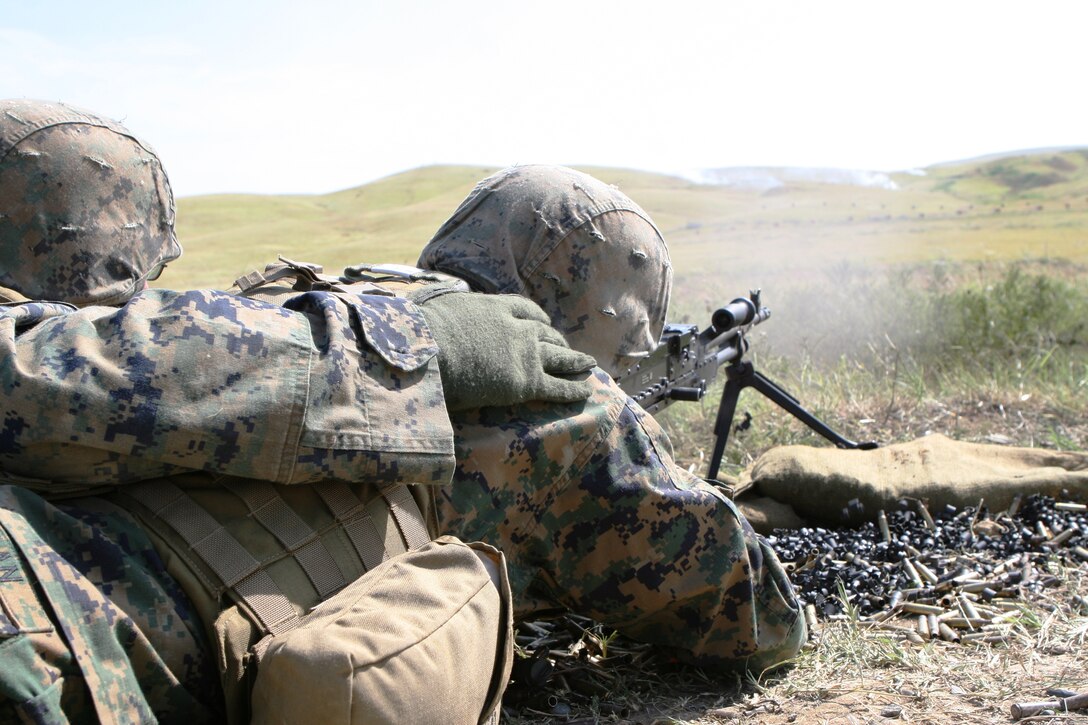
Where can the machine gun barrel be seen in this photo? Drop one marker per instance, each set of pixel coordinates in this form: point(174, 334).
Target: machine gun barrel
point(739, 312)
point(687, 360)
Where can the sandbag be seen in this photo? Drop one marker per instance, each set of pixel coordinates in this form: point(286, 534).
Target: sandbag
point(425, 637)
point(820, 483)
point(766, 514)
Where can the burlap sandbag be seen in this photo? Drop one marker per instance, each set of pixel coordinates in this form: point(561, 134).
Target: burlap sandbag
point(426, 637)
point(766, 514)
point(819, 483)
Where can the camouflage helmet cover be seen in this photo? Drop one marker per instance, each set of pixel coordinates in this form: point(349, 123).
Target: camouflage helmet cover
point(86, 210)
point(580, 248)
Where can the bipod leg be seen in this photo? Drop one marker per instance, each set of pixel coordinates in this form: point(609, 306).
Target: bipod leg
point(792, 406)
point(727, 408)
point(743, 375)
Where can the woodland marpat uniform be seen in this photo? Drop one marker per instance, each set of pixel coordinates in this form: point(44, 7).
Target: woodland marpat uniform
point(180, 381)
point(93, 629)
point(203, 405)
point(593, 514)
point(586, 501)
point(171, 383)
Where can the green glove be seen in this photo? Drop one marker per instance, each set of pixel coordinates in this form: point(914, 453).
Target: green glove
point(502, 350)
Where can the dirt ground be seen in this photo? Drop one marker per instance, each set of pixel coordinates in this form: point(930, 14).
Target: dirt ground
point(852, 671)
point(855, 673)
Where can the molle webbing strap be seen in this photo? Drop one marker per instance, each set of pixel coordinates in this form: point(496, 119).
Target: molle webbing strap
point(238, 570)
point(272, 273)
point(406, 513)
point(305, 276)
point(356, 522)
point(266, 505)
point(214, 546)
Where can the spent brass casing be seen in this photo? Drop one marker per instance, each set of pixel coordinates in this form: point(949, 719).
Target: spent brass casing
point(926, 517)
point(978, 586)
point(947, 633)
point(912, 573)
point(923, 626)
point(967, 622)
point(1063, 537)
point(919, 608)
point(810, 617)
point(968, 608)
point(1027, 709)
point(882, 522)
point(925, 572)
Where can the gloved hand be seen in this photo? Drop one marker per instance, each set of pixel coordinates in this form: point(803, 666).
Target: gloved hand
point(502, 350)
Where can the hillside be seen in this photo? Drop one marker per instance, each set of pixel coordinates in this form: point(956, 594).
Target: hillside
point(1007, 207)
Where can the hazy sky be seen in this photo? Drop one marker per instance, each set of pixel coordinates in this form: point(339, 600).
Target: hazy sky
point(288, 96)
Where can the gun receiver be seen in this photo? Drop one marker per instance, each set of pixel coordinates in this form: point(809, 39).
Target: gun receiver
point(686, 361)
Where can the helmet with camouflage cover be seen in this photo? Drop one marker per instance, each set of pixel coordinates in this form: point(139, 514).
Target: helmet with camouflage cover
point(581, 249)
point(86, 210)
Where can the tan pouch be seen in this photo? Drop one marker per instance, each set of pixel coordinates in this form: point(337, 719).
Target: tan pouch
point(425, 637)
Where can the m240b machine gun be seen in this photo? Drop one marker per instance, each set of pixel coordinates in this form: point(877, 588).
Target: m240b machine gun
point(686, 361)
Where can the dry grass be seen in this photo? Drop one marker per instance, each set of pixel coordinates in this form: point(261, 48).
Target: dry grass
point(871, 672)
point(851, 672)
point(992, 353)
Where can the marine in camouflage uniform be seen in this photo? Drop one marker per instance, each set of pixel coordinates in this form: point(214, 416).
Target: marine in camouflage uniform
point(586, 500)
point(212, 391)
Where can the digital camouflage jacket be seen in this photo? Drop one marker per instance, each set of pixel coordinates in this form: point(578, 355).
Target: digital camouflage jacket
point(594, 515)
point(332, 387)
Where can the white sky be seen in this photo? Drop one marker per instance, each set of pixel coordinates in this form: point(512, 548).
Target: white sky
point(290, 96)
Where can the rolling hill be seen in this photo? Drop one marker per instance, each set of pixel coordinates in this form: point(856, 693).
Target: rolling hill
point(1026, 205)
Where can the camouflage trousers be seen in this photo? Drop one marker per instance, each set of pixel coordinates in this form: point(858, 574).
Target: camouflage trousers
point(92, 629)
point(594, 515)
